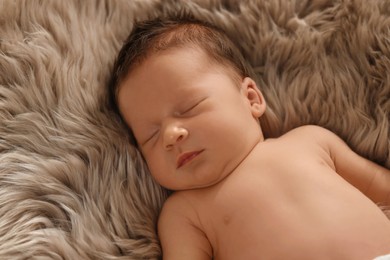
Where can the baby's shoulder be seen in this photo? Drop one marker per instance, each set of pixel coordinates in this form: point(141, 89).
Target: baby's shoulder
point(179, 230)
point(175, 201)
point(308, 141)
point(178, 205)
point(311, 130)
point(310, 133)
point(309, 138)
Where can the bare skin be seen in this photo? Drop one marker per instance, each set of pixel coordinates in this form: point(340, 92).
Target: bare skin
point(305, 195)
point(284, 201)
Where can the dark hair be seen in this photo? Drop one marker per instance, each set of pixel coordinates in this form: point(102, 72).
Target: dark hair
point(152, 36)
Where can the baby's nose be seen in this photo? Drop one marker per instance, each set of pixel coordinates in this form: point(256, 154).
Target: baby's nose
point(174, 134)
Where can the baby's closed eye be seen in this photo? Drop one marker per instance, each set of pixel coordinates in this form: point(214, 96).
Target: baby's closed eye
point(147, 134)
point(191, 107)
point(150, 136)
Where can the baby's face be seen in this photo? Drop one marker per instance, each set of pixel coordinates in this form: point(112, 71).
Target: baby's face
point(194, 124)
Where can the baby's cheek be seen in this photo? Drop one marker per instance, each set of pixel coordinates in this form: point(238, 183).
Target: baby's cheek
point(158, 168)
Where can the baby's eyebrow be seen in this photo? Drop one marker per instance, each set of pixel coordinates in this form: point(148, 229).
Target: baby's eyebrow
point(183, 103)
point(188, 101)
point(138, 128)
point(147, 127)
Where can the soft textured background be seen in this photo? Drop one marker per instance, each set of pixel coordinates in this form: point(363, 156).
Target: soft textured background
point(71, 187)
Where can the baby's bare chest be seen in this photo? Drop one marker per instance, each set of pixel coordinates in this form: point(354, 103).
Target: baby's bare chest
point(262, 211)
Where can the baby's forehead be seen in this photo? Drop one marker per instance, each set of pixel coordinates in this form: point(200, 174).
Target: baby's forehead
point(198, 54)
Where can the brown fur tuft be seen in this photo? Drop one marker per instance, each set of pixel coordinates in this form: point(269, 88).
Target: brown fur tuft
point(71, 186)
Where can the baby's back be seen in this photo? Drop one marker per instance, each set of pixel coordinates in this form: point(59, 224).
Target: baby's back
point(285, 201)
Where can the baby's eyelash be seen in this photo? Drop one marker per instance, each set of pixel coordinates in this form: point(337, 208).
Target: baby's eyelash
point(190, 108)
point(150, 137)
point(193, 106)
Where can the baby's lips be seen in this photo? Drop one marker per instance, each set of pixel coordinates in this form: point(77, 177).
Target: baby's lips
point(186, 157)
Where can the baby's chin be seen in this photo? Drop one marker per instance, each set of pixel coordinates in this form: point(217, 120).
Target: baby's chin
point(198, 186)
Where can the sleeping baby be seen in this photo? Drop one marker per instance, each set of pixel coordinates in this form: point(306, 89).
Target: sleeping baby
point(199, 120)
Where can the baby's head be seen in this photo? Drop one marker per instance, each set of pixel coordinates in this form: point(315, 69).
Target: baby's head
point(185, 92)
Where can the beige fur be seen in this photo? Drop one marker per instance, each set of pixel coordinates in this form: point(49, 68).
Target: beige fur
point(71, 187)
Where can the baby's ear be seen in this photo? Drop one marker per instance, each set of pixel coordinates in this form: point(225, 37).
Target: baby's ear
point(254, 96)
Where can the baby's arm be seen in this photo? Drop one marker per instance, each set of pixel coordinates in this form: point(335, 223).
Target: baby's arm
point(370, 178)
point(180, 238)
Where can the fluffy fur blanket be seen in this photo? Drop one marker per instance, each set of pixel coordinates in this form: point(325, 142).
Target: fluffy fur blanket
point(71, 187)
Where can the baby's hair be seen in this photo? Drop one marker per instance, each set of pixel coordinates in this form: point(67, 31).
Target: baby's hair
point(153, 36)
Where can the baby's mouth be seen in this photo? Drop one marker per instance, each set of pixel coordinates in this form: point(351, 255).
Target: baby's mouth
point(186, 157)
